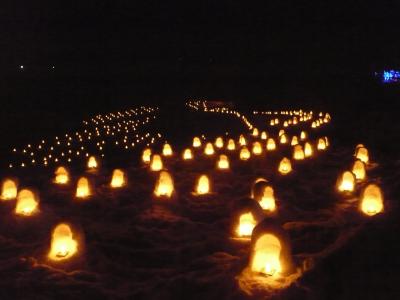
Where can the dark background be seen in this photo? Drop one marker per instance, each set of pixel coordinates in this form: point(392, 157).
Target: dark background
point(109, 55)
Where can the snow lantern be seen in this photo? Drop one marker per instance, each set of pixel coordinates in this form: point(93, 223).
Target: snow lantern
point(346, 182)
point(62, 176)
point(308, 150)
point(294, 141)
point(209, 149)
point(63, 246)
point(298, 153)
point(285, 166)
point(358, 170)
point(362, 154)
point(146, 155)
point(92, 163)
point(9, 189)
point(219, 142)
point(242, 140)
point(83, 188)
point(118, 179)
point(245, 225)
point(196, 142)
point(271, 250)
point(187, 154)
point(264, 135)
point(303, 135)
point(271, 144)
point(156, 163)
point(244, 153)
point(321, 144)
point(255, 132)
point(167, 150)
point(223, 162)
point(231, 145)
point(27, 204)
point(165, 185)
point(203, 185)
point(257, 148)
point(371, 200)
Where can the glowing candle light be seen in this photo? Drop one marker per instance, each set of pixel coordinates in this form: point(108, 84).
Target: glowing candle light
point(27, 204)
point(196, 142)
point(255, 132)
point(209, 149)
point(165, 185)
point(267, 201)
point(92, 163)
point(257, 148)
point(83, 188)
point(231, 145)
point(187, 154)
point(242, 140)
point(283, 139)
point(281, 132)
point(146, 155)
point(219, 142)
point(321, 144)
point(246, 225)
point(298, 153)
point(61, 176)
point(362, 154)
point(9, 190)
point(203, 185)
point(359, 170)
point(308, 150)
point(118, 179)
point(303, 135)
point(156, 163)
point(294, 141)
point(63, 246)
point(244, 153)
point(264, 135)
point(223, 162)
point(271, 145)
point(285, 166)
point(346, 182)
point(167, 150)
point(372, 200)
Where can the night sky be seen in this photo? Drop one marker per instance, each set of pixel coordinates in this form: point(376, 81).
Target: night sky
point(116, 52)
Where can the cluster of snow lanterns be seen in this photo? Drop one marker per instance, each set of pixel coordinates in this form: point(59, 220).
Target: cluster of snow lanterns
point(123, 129)
point(371, 200)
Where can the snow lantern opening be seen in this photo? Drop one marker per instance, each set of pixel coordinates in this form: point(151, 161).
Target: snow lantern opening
point(283, 139)
point(167, 150)
point(223, 162)
point(203, 185)
point(303, 135)
point(209, 149)
point(27, 204)
point(219, 142)
point(346, 182)
point(358, 170)
point(255, 132)
point(118, 179)
point(242, 140)
point(362, 154)
point(294, 141)
point(264, 135)
point(245, 225)
point(146, 155)
point(231, 145)
point(165, 185)
point(298, 152)
point(308, 150)
point(187, 154)
point(285, 166)
point(321, 144)
point(372, 200)
point(83, 188)
point(63, 246)
point(257, 148)
point(92, 163)
point(271, 145)
point(244, 153)
point(62, 176)
point(156, 163)
point(196, 142)
point(9, 189)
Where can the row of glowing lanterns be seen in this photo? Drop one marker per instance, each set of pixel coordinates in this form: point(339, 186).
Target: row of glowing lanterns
point(372, 198)
point(119, 128)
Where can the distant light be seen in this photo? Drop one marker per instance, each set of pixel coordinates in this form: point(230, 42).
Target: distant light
point(53, 67)
point(21, 67)
point(390, 76)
